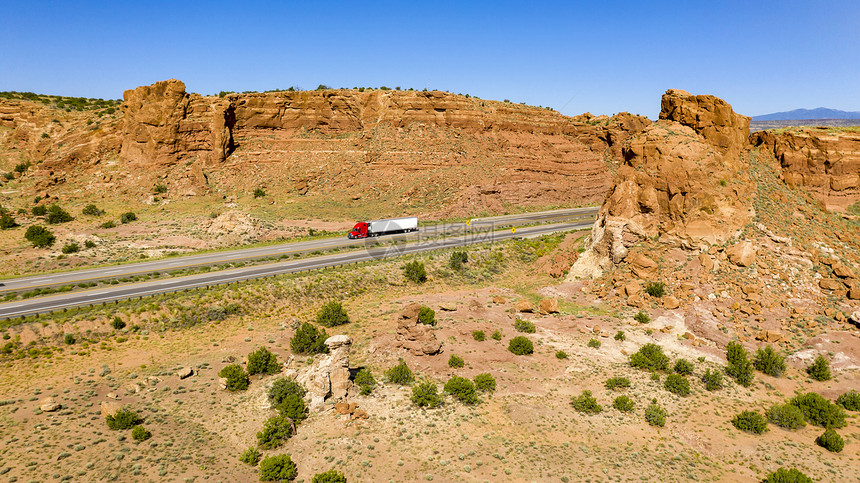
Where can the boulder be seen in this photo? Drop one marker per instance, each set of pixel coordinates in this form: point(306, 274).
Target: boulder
point(109, 408)
point(742, 254)
point(49, 405)
point(842, 271)
point(185, 372)
point(548, 306)
point(671, 302)
point(830, 284)
point(412, 335)
point(769, 336)
point(524, 306)
point(643, 266)
point(854, 292)
point(632, 288)
point(448, 306)
point(499, 300)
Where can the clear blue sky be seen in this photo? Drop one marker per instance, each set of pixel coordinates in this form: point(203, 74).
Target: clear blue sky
point(603, 57)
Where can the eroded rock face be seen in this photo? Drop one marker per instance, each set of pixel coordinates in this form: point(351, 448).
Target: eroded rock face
point(328, 377)
point(684, 179)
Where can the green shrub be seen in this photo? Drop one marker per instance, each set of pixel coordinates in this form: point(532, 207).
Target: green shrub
point(364, 379)
point(560, 355)
point(456, 361)
point(831, 441)
point(400, 374)
point(623, 404)
point(117, 323)
point(259, 192)
point(820, 369)
point(497, 335)
point(656, 289)
point(655, 414)
point(524, 326)
point(139, 433)
point(479, 335)
point(739, 367)
point(594, 343)
point(123, 419)
point(57, 215)
point(293, 407)
point(819, 411)
point(425, 395)
point(284, 387)
point(278, 468)
point(463, 389)
point(108, 224)
point(39, 210)
point(92, 210)
point(677, 384)
point(426, 315)
point(330, 476)
point(849, 400)
point(309, 340)
point(683, 367)
point(786, 416)
point(263, 361)
point(619, 336)
point(332, 314)
point(7, 221)
point(69, 339)
point(457, 260)
point(39, 236)
point(617, 382)
point(415, 272)
point(642, 317)
point(127, 217)
point(713, 380)
point(585, 403)
point(71, 247)
point(766, 360)
point(783, 475)
point(237, 378)
point(250, 456)
point(650, 356)
point(485, 382)
point(750, 421)
point(90, 244)
point(276, 430)
point(521, 345)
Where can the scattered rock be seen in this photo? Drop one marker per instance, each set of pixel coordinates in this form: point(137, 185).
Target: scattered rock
point(110, 407)
point(854, 292)
point(448, 306)
point(499, 300)
point(841, 271)
point(769, 336)
point(548, 306)
point(49, 405)
point(671, 302)
point(524, 306)
point(111, 395)
point(632, 288)
point(742, 254)
point(185, 372)
point(830, 284)
point(643, 266)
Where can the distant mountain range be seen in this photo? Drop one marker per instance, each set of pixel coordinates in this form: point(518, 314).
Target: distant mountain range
point(818, 113)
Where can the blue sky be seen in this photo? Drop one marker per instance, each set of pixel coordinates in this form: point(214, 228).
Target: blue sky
point(601, 57)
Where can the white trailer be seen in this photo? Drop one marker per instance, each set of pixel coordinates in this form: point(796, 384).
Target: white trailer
point(392, 225)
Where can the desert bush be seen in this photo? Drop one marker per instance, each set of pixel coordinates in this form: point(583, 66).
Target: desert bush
point(69, 339)
point(820, 369)
point(364, 379)
point(278, 468)
point(426, 315)
point(250, 456)
point(585, 403)
point(485, 382)
point(456, 361)
point(496, 335)
point(284, 387)
point(123, 419)
point(655, 414)
point(309, 340)
point(849, 400)
point(71, 247)
point(617, 382)
point(594, 343)
point(139, 433)
point(463, 389)
point(684, 367)
point(414, 271)
point(786, 416)
point(276, 430)
point(524, 326)
point(739, 367)
point(750, 422)
point(650, 356)
point(117, 323)
point(57, 215)
point(457, 260)
point(90, 244)
point(127, 217)
point(237, 378)
point(293, 407)
point(766, 360)
point(330, 476)
point(263, 361)
point(819, 411)
point(108, 224)
point(831, 441)
point(560, 355)
point(713, 380)
point(39, 210)
point(623, 404)
point(656, 289)
point(425, 395)
point(332, 314)
point(619, 336)
point(92, 210)
point(7, 221)
point(783, 475)
point(677, 384)
point(521, 345)
point(642, 317)
point(259, 192)
point(400, 374)
point(479, 335)
point(39, 236)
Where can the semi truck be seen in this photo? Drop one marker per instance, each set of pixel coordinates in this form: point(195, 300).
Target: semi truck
point(365, 229)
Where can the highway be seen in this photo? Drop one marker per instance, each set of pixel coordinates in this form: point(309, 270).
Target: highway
point(110, 293)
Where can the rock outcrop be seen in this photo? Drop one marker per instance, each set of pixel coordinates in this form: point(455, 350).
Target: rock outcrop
point(684, 180)
point(414, 336)
point(328, 377)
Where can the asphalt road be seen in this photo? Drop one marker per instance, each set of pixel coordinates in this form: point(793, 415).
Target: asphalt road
point(111, 293)
point(286, 249)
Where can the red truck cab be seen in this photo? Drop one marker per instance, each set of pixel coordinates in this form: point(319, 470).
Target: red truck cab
point(359, 230)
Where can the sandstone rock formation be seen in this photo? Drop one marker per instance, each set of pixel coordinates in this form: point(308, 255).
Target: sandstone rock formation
point(328, 377)
point(49, 405)
point(414, 336)
point(683, 180)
